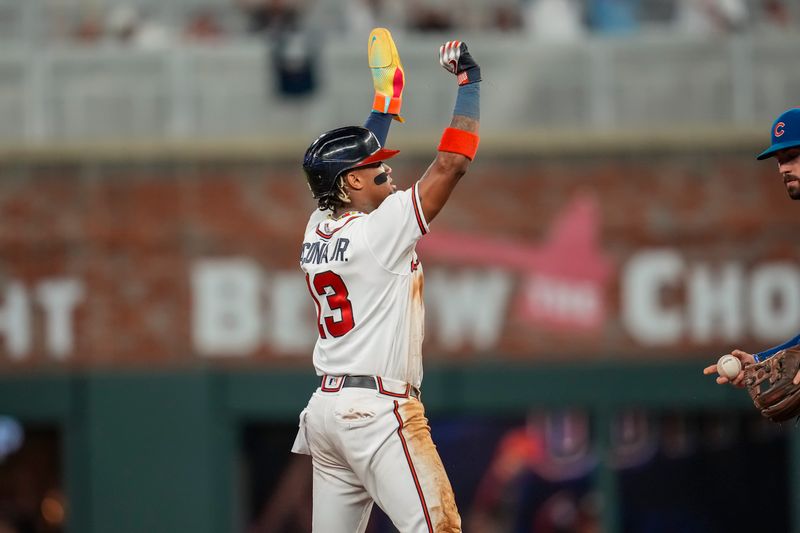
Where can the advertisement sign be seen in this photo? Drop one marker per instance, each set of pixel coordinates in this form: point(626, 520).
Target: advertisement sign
point(539, 260)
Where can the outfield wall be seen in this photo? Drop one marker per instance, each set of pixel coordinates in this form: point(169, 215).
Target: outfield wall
point(153, 310)
point(631, 254)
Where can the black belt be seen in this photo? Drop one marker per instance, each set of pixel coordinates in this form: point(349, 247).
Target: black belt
point(371, 382)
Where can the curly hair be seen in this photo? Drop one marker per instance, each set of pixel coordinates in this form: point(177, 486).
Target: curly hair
point(335, 199)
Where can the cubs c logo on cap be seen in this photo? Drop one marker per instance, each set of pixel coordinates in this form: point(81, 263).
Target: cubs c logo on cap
point(785, 133)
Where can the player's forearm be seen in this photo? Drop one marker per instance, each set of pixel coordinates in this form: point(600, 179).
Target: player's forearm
point(456, 150)
point(461, 138)
point(760, 356)
point(467, 111)
point(379, 123)
point(460, 122)
point(454, 164)
point(460, 141)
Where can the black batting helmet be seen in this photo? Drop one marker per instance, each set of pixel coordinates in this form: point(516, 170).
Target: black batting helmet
point(337, 151)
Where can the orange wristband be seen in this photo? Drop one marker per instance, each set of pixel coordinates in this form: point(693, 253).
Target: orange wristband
point(459, 142)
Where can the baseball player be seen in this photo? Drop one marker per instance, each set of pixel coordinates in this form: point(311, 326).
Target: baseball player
point(365, 426)
point(785, 148)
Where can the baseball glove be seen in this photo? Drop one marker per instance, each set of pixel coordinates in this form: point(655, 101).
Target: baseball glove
point(770, 385)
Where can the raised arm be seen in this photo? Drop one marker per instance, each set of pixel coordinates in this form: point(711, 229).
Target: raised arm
point(460, 141)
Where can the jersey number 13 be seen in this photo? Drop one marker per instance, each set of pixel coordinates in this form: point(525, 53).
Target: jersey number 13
point(330, 287)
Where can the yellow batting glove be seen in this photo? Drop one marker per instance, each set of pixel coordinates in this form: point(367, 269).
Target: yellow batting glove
point(387, 73)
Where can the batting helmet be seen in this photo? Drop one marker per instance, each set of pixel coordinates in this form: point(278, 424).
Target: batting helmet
point(339, 150)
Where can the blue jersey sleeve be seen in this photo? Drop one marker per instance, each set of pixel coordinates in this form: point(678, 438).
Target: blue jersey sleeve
point(378, 123)
point(760, 356)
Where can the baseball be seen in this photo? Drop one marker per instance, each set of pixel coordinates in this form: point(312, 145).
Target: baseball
point(729, 366)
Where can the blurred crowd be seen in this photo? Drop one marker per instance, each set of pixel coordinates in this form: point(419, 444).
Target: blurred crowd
point(158, 24)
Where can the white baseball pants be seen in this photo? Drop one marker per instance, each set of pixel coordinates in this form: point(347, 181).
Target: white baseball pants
point(368, 446)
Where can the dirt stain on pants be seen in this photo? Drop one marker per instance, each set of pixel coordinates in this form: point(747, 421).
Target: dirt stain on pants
point(432, 477)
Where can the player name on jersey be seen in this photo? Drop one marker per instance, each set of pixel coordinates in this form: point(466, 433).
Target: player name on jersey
point(324, 252)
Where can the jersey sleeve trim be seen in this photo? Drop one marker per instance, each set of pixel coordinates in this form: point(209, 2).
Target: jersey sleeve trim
point(417, 203)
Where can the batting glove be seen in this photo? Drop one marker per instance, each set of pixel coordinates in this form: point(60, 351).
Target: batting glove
point(454, 57)
point(388, 76)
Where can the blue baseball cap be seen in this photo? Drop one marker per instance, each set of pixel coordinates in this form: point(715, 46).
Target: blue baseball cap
point(785, 133)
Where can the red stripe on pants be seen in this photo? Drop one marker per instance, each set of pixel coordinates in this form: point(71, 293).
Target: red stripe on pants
point(411, 467)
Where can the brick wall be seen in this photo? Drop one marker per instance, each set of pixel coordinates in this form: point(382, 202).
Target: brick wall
point(123, 237)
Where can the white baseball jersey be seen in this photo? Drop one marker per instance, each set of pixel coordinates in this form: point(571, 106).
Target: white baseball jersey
point(366, 283)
